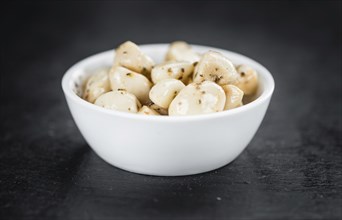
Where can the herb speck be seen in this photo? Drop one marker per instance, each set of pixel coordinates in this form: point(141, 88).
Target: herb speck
point(144, 70)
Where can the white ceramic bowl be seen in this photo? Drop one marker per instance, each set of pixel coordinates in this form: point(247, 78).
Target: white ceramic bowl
point(165, 146)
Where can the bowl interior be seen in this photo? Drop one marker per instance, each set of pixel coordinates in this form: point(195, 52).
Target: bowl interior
point(75, 77)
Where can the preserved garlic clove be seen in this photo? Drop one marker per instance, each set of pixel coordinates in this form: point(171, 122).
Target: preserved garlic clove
point(120, 101)
point(96, 85)
point(234, 96)
point(248, 79)
point(172, 70)
point(213, 66)
point(181, 51)
point(131, 57)
point(165, 91)
point(157, 108)
point(123, 79)
point(147, 111)
point(198, 98)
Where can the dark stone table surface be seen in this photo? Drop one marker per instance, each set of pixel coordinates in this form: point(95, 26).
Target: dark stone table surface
point(290, 170)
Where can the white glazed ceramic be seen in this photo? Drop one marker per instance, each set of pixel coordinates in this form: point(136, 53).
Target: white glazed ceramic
point(161, 145)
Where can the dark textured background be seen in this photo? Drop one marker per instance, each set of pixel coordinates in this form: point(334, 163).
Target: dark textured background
point(291, 170)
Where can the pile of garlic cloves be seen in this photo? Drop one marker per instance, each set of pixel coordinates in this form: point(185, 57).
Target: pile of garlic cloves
point(186, 83)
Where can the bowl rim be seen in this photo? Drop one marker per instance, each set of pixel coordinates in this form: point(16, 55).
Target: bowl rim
point(264, 96)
